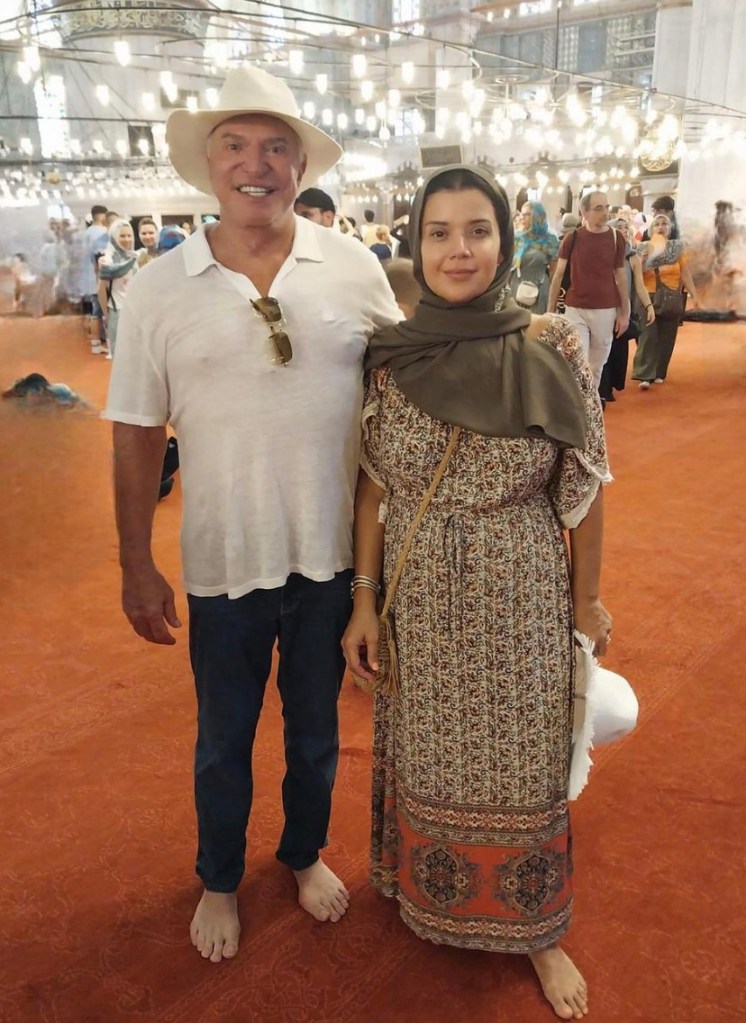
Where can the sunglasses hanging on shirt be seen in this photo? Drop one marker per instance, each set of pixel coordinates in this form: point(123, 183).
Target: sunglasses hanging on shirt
point(280, 350)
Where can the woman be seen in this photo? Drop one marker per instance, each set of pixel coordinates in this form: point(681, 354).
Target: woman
point(382, 247)
point(470, 822)
point(116, 269)
point(666, 256)
point(614, 374)
point(535, 255)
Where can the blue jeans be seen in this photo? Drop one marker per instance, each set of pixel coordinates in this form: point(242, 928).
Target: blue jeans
point(231, 644)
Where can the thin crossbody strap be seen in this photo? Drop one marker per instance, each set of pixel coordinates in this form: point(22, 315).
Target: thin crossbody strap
point(394, 584)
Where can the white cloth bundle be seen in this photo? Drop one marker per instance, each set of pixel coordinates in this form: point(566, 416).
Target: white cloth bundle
point(605, 710)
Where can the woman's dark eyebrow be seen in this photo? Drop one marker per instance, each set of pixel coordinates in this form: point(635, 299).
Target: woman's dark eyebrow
point(444, 223)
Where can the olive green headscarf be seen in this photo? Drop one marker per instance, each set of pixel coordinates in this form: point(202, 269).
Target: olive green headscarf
point(471, 364)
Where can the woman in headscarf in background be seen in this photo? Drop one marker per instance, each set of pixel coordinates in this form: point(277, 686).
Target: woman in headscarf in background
point(535, 258)
point(116, 269)
point(471, 755)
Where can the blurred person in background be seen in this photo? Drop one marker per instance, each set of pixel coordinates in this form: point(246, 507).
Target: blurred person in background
point(614, 375)
point(316, 205)
point(663, 263)
point(96, 238)
point(369, 228)
point(382, 247)
point(147, 232)
point(117, 267)
point(535, 258)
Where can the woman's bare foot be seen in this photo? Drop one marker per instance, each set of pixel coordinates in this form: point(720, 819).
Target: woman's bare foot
point(321, 893)
point(561, 981)
point(215, 928)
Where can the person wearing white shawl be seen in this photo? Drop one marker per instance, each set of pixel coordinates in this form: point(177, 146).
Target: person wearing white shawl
point(116, 269)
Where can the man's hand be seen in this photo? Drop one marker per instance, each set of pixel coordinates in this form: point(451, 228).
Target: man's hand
point(148, 603)
point(621, 324)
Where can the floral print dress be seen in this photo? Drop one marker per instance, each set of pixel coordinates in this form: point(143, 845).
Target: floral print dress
point(470, 760)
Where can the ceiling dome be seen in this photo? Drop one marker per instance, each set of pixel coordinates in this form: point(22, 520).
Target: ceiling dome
point(187, 19)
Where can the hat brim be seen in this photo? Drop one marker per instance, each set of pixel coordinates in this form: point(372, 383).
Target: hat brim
point(187, 135)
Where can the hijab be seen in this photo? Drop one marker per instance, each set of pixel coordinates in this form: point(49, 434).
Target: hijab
point(117, 261)
point(470, 364)
point(538, 237)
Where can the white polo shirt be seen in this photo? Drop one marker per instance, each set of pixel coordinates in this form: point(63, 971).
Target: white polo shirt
point(268, 454)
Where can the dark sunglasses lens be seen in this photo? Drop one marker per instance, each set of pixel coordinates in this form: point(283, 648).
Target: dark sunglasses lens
point(283, 346)
point(269, 308)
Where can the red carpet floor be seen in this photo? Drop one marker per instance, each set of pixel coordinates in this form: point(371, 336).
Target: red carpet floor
point(97, 731)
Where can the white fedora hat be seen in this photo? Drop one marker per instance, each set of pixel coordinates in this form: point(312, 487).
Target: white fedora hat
point(246, 90)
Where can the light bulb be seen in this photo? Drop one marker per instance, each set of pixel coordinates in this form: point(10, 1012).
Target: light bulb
point(366, 90)
point(102, 94)
point(309, 110)
point(407, 72)
point(148, 101)
point(322, 81)
point(359, 64)
point(443, 78)
point(24, 71)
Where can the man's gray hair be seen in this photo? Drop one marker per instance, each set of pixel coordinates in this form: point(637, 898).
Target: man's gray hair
point(585, 202)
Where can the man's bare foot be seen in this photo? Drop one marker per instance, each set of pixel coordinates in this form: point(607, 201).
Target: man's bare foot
point(321, 893)
point(215, 928)
point(561, 982)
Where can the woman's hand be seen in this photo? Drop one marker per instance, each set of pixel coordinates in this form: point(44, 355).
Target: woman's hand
point(650, 315)
point(593, 620)
point(360, 642)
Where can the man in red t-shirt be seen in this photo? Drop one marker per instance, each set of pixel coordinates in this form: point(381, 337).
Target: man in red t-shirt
point(597, 302)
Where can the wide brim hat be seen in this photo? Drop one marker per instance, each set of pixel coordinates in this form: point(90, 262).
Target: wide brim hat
point(246, 90)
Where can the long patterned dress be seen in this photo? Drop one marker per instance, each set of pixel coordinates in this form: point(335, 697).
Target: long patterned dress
point(470, 761)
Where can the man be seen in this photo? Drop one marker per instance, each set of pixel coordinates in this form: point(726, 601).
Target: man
point(249, 340)
point(597, 301)
point(315, 205)
point(147, 232)
point(95, 241)
point(665, 204)
point(369, 228)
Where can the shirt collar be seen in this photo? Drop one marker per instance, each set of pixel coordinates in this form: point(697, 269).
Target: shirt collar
point(198, 254)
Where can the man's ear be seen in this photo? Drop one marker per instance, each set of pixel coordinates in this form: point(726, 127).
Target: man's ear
point(302, 168)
